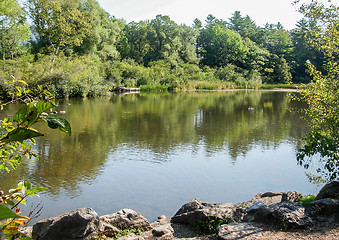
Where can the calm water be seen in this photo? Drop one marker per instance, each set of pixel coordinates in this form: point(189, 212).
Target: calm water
point(153, 153)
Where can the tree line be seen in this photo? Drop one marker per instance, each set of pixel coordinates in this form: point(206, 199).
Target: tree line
point(75, 48)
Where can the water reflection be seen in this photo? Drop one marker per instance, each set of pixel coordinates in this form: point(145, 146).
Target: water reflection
point(155, 129)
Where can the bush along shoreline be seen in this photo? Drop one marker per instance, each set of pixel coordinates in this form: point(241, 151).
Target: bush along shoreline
point(285, 212)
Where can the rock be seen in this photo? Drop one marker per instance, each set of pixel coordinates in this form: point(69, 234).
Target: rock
point(237, 231)
point(271, 198)
point(326, 207)
point(255, 206)
point(27, 231)
point(291, 196)
point(162, 230)
point(330, 190)
point(190, 207)
point(194, 217)
point(162, 217)
point(108, 230)
point(218, 205)
point(285, 214)
point(271, 194)
point(131, 237)
point(79, 224)
point(126, 219)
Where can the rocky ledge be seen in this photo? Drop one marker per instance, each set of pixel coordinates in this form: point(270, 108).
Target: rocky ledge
point(277, 211)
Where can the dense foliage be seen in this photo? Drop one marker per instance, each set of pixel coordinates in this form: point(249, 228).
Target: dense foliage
point(322, 95)
point(77, 49)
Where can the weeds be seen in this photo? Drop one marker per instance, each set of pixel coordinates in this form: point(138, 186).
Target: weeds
point(211, 225)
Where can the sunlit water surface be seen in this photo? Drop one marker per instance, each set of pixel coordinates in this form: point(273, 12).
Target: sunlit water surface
point(153, 152)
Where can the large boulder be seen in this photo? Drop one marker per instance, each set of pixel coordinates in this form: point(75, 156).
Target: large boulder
point(124, 219)
point(285, 214)
point(326, 207)
point(196, 214)
point(268, 199)
point(330, 190)
point(79, 224)
point(191, 206)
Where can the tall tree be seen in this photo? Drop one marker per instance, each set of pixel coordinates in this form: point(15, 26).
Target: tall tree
point(103, 34)
point(246, 27)
point(322, 95)
point(134, 43)
point(278, 41)
point(304, 50)
point(219, 46)
point(59, 23)
point(158, 39)
point(13, 28)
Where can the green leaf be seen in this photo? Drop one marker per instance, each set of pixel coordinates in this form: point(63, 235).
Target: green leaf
point(26, 115)
point(6, 213)
point(35, 190)
point(20, 134)
point(43, 106)
point(56, 122)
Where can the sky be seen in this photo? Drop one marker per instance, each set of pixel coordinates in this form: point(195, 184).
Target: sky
point(185, 11)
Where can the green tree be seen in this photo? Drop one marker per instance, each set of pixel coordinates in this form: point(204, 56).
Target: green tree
point(59, 23)
point(277, 70)
point(13, 28)
point(246, 27)
point(103, 34)
point(134, 44)
point(219, 46)
point(158, 39)
point(278, 41)
point(322, 95)
point(304, 50)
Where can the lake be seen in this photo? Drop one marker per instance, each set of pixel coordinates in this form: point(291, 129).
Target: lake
point(155, 152)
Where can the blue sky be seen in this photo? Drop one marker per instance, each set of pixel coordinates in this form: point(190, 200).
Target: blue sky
point(185, 11)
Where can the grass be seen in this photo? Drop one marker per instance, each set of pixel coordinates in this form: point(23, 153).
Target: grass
point(154, 88)
point(125, 232)
point(211, 225)
point(273, 86)
point(305, 200)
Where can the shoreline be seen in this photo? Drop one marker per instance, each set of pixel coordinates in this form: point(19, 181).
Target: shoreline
point(270, 215)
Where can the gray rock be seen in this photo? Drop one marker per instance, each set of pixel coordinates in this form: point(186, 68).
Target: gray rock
point(218, 205)
point(285, 214)
point(79, 224)
point(27, 231)
point(162, 230)
point(268, 198)
point(108, 230)
point(326, 207)
point(126, 219)
point(291, 196)
point(255, 206)
point(271, 194)
point(264, 199)
point(330, 190)
point(238, 231)
point(191, 206)
point(194, 217)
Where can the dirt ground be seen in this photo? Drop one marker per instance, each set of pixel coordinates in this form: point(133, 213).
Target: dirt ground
point(320, 231)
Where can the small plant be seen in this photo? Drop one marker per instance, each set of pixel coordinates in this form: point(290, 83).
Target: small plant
point(211, 225)
point(125, 232)
point(154, 88)
point(10, 220)
point(15, 138)
point(305, 200)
